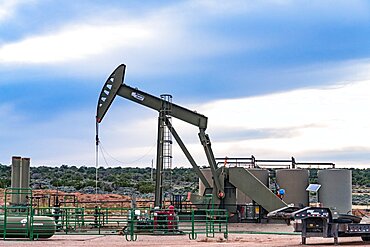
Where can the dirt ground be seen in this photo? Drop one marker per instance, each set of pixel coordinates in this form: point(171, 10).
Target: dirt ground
point(267, 236)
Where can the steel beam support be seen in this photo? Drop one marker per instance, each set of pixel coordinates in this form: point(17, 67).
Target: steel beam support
point(159, 165)
point(187, 154)
point(206, 142)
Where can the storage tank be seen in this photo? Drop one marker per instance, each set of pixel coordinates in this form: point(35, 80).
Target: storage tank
point(19, 227)
point(208, 175)
point(294, 182)
point(25, 179)
point(15, 178)
point(336, 189)
point(262, 175)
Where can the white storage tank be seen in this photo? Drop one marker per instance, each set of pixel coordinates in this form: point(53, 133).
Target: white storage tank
point(262, 175)
point(336, 189)
point(294, 182)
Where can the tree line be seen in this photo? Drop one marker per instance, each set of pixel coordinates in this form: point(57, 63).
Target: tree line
point(109, 179)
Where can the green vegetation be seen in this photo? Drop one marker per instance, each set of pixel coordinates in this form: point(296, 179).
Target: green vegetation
point(361, 177)
point(4, 176)
point(112, 179)
point(145, 187)
point(126, 180)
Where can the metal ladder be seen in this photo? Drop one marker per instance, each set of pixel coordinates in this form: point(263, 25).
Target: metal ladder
point(167, 143)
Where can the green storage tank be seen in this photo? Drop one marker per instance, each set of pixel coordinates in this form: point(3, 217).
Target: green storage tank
point(19, 227)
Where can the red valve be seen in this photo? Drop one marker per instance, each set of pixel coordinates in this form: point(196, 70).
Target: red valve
point(221, 194)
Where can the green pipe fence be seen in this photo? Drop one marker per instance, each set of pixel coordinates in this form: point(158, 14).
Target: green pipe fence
point(168, 222)
point(16, 220)
point(30, 222)
point(112, 221)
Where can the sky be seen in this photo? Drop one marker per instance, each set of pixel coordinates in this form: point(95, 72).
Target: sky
point(276, 79)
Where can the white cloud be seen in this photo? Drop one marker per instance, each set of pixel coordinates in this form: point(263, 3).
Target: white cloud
point(299, 123)
point(328, 120)
point(321, 119)
point(9, 7)
point(317, 124)
point(161, 37)
point(74, 43)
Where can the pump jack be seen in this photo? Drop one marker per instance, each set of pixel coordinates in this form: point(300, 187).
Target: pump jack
point(222, 176)
point(115, 86)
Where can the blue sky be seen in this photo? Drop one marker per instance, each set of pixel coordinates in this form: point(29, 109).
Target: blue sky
point(294, 75)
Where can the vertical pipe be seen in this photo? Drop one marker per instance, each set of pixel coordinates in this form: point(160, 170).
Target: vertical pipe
point(159, 165)
point(15, 178)
point(24, 179)
point(96, 160)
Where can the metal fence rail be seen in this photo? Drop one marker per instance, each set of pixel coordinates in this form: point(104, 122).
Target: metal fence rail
point(193, 223)
point(34, 223)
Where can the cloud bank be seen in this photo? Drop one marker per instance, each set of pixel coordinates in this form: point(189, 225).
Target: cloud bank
point(276, 78)
point(326, 124)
